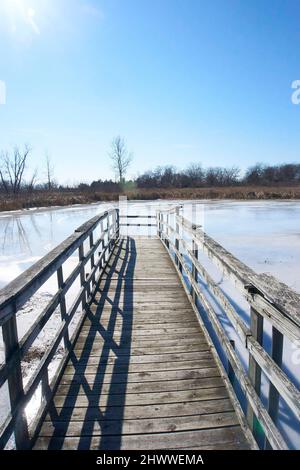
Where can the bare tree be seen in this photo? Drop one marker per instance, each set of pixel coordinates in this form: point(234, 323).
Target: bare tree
point(4, 158)
point(33, 181)
point(12, 167)
point(195, 174)
point(49, 173)
point(120, 157)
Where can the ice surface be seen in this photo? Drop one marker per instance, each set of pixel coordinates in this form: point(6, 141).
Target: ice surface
point(263, 234)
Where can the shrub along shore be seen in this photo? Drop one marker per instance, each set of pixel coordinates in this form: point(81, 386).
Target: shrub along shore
point(75, 196)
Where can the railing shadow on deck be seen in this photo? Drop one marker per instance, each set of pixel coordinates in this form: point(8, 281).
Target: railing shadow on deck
point(113, 410)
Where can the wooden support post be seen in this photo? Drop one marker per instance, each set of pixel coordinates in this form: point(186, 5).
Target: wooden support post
point(273, 402)
point(256, 327)
point(167, 232)
point(162, 226)
point(117, 224)
point(177, 244)
point(93, 280)
point(102, 245)
point(159, 224)
point(82, 275)
point(230, 370)
point(111, 230)
point(194, 270)
point(15, 383)
point(63, 308)
point(91, 246)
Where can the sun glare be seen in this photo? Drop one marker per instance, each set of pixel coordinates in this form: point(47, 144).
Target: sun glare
point(21, 13)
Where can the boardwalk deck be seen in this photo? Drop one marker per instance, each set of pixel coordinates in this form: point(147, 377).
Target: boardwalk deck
point(141, 375)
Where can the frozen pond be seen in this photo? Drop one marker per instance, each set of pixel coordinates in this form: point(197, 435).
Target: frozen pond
point(263, 234)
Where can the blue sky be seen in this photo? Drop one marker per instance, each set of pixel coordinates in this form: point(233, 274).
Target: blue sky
point(182, 80)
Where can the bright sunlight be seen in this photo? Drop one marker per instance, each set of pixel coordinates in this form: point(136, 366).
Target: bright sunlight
point(21, 13)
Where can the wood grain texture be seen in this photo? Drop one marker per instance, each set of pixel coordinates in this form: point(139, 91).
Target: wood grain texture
point(141, 375)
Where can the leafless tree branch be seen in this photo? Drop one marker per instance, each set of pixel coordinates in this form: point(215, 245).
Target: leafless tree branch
point(120, 158)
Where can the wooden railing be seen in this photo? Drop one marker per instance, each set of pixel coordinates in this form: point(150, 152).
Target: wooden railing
point(268, 299)
point(94, 242)
point(149, 218)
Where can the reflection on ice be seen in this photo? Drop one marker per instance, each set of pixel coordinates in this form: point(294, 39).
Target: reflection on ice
point(263, 234)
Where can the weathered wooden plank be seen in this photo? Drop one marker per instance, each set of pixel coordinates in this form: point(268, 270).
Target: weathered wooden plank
point(146, 332)
point(91, 340)
point(229, 446)
point(280, 295)
point(92, 379)
point(160, 410)
point(200, 439)
point(129, 300)
point(97, 348)
point(139, 312)
point(144, 387)
point(170, 281)
point(129, 295)
point(119, 341)
point(144, 426)
point(148, 367)
point(136, 322)
point(111, 358)
point(128, 399)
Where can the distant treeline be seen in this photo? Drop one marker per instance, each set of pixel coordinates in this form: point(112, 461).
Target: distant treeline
point(195, 176)
point(23, 186)
point(16, 178)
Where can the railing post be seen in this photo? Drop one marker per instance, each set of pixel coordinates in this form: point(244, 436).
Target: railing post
point(102, 244)
point(167, 231)
point(91, 238)
point(194, 270)
point(62, 302)
point(230, 370)
point(273, 402)
point(82, 275)
point(163, 237)
point(159, 224)
point(15, 382)
point(256, 327)
point(110, 227)
point(117, 224)
point(177, 239)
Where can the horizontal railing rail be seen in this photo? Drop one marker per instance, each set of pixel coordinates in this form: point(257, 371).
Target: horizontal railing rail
point(138, 224)
point(267, 299)
point(100, 235)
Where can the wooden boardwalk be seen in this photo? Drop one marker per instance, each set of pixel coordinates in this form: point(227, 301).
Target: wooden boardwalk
point(141, 375)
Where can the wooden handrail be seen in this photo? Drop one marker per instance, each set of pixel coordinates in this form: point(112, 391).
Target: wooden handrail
point(264, 292)
point(17, 293)
point(267, 298)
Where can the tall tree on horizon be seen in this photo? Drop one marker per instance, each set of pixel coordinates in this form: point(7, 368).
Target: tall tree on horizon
point(120, 157)
point(49, 172)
